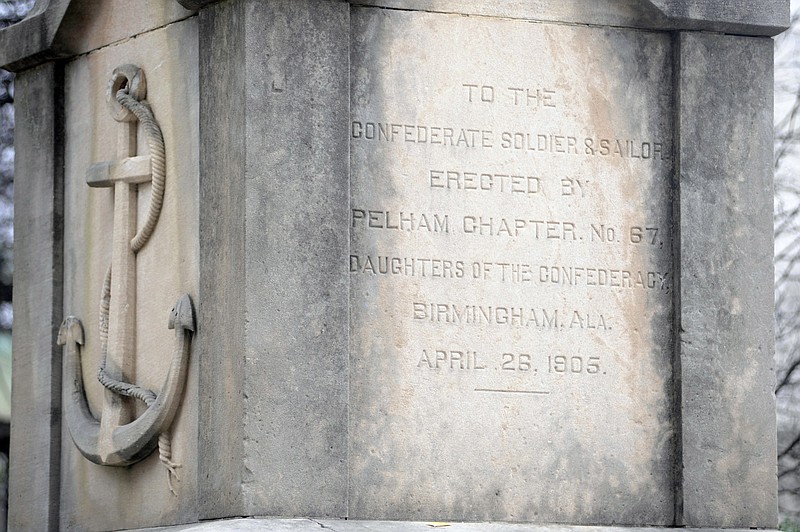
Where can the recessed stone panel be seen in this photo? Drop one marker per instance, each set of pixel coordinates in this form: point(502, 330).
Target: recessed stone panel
point(511, 271)
point(103, 497)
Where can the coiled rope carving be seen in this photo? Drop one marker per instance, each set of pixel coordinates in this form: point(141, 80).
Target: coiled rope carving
point(155, 142)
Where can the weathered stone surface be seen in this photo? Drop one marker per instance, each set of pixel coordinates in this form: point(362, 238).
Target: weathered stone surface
point(221, 308)
point(90, 25)
point(30, 42)
point(511, 274)
point(36, 398)
point(274, 304)
point(55, 28)
point(64, 28)
point(196, 4)
point(93, 496)
point(768, 17)
point(337, 525)
point(624, 12)
point(726, 337)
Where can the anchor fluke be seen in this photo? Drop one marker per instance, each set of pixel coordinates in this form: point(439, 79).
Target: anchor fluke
point(134, 441)
point(71, 331)
point(182, 315)
point(83, 426)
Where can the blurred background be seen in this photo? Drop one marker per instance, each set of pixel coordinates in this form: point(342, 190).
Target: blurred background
point(787, 268)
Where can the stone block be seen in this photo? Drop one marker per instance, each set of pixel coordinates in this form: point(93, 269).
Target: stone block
point(464, 261)
point(58, 29)
point(726, 329)
point(511, 274)
point(94, 496)
point(34, 461)
point(273, 264)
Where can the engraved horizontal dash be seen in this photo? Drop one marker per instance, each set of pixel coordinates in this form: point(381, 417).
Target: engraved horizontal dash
point(529, 392)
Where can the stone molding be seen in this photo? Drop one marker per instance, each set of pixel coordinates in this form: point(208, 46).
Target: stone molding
point(32, 41)
point(50, 31)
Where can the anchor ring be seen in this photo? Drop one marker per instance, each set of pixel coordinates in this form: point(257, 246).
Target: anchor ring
point(129, 78)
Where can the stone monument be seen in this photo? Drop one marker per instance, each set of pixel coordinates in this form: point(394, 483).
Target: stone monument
point(407, 260)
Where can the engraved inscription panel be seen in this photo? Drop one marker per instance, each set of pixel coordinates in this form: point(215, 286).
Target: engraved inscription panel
point(511, 270)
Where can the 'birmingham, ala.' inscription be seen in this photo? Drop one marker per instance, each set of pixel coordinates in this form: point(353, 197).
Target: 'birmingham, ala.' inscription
point(538, 318)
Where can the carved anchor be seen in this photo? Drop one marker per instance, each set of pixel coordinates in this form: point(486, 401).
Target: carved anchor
point(115, 440)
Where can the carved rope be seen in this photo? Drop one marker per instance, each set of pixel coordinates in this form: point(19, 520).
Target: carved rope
point(155, 141)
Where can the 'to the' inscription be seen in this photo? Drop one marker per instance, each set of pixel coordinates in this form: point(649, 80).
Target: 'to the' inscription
point(531, 97)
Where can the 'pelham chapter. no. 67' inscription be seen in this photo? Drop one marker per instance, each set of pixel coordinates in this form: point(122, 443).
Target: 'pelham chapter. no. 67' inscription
point(485, 225)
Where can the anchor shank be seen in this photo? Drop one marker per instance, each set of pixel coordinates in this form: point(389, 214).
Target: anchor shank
point(120, 362)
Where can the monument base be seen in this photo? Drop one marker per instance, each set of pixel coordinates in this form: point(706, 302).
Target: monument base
point(342, 525)
point(457, 260)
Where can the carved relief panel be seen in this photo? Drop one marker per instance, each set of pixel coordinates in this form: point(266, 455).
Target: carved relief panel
point(130, 227)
